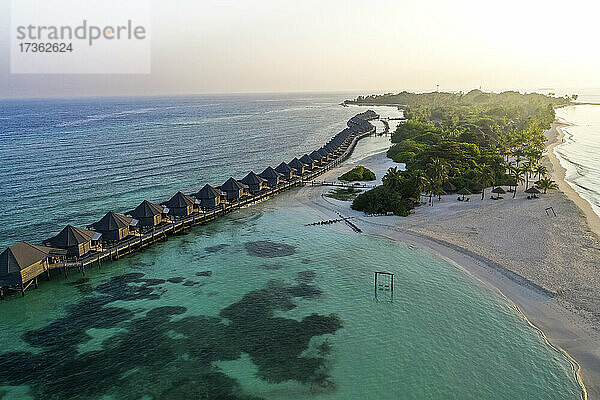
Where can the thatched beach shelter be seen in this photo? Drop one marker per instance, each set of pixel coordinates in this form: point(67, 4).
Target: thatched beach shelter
point(22, 262)
point(308, 161)
point(298, 166)
point(254, 182)
point(149, 214)
point(464, 192)
point(273, 177)
point(209, 196)
point(114, 227)
point(498, 190)
point(448, 187)
point(233, 189)
point(180, 205)
point(76, 241)
point(286, 171)
point(533, 191)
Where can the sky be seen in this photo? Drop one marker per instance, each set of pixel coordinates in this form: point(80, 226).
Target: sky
point(373, 46)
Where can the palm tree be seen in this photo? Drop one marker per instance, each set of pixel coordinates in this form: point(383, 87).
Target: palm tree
point(485, 176)
point(392, 178)
point(546, 184)
point(540, 171)
point(437, 170)
point(528, 170)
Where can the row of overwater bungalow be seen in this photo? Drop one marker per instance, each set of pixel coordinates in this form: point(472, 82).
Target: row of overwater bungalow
point(21, 264)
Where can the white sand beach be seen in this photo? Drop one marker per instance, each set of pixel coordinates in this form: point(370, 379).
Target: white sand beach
point(548, 266)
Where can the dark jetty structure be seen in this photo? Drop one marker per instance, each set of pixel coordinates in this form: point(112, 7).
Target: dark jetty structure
point(117, 235)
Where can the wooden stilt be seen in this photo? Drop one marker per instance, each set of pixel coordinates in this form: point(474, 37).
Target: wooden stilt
point(35, 282)
point(22, 290)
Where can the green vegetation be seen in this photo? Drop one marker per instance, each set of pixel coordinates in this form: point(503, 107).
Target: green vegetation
point(344, 194)
point(358, 173)
point(471, 141)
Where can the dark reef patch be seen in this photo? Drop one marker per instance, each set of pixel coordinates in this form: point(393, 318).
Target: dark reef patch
point(268, 249)
point(306, 276)
point(170, 355)
point(204, 273)
point(190, 283)
point(217, 248)
point(176, 279)
point(78, 282)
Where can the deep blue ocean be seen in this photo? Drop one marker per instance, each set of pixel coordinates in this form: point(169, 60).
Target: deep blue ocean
point(72, 160)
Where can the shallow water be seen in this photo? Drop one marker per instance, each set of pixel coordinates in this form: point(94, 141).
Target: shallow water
point(299, 321)
point(580, 152)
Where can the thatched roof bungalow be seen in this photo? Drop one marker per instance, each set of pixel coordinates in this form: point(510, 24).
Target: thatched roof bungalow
point(273, 177)
point(285, 170)
point(254, 182)
point(22, 262)
point(149, 214)
point(308, 161)
point(114, 227)
point(317, 157)
point(209, 196)
point(233, 189)
point(180, 205)
point(76, 241)
point(298, 166)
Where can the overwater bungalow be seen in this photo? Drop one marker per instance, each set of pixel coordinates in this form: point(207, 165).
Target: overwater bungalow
point(254, 182)
point(209, 197)
point(308, 161)
point(22, 263)
point(76, 241)
point(149, 214)
point(298, 166)
point(286, 171)
point(318, 157)
point(181, 205)
point(273, 177)
point(114, 227)
point(325, 156)
point(233, 189)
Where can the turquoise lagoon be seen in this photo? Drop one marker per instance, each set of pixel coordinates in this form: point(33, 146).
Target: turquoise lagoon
point(258, 305)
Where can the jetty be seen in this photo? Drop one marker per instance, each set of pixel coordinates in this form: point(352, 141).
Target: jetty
point(115, 235)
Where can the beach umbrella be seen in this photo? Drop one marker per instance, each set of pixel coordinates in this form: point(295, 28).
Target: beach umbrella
point(465, 192)
point(498, 190)
point(533, 190)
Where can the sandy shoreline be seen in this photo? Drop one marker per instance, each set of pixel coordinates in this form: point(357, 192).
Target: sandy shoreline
point(546, 266)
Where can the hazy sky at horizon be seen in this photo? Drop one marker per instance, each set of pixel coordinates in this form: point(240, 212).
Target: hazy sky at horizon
point(372, 46)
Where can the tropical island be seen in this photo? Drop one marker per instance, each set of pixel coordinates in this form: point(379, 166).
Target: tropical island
point(462, 142)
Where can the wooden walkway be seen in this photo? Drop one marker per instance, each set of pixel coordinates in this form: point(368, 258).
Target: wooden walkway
point(138, 242)
point(338, 184)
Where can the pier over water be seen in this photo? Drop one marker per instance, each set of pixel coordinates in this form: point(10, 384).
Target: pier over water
point(114, 236)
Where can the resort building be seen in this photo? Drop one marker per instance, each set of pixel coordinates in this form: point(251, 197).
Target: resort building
point(324, 155)
point(21, 263)
point(254, 182)
point(308, 161)
point(180, 205)
point(149, 214)
point(317, 157)
point(209, 196)
point(298, 166)
point(273, 177)
point(233, 189)
point(76, 241)
point(286, 171)
point(114, 227)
